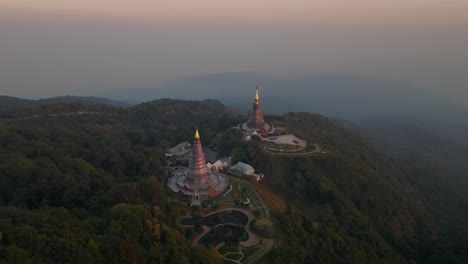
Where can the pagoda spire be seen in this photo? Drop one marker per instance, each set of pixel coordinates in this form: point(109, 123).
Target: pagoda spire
point(257, 100)
point(197, 171)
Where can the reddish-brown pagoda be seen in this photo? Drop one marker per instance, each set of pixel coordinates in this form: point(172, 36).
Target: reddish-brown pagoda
point(197, 171)
point(256, 117)
point(198, 181)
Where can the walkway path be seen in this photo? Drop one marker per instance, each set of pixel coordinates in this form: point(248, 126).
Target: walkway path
point(257, 199)
point(206, 230)
point(232, 253)
point(318, 149)
point(251, 241)
point(267, 246)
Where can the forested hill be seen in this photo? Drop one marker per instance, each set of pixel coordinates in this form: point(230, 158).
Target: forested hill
point(88, 188)
point(8, 103)
point(85, 184)
point(180, 113)
point(353, 204)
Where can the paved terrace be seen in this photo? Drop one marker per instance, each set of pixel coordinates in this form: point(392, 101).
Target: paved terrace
point(289, 139)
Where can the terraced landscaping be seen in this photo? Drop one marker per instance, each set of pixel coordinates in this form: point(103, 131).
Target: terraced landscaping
point(226, 225)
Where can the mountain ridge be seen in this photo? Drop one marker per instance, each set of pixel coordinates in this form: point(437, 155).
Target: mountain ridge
point(9, 103)
point(353, 97)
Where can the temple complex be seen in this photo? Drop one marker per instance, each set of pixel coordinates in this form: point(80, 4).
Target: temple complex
point(197, 180)
point(256, 128)
point(256, 123)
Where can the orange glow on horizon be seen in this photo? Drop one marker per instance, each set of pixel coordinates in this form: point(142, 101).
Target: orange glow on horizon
point(294, 12)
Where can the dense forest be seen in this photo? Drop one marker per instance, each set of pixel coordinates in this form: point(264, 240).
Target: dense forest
point(86, 184)
point(88, 188)
point(355, 204)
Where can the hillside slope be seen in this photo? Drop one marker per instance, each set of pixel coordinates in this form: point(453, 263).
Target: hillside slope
point(89, 189)
point(91, 186)
point(350, 204)
point(434, 163)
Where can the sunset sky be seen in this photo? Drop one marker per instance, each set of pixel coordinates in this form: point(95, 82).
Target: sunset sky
point(56, 47)
point(324, 12)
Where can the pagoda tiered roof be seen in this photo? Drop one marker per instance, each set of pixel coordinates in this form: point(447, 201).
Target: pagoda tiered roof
point(198, 181)
point(256, 117)
point(197, 171)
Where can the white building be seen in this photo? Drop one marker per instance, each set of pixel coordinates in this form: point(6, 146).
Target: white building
point(241, 168)
point(218, 166)
point(179, 150)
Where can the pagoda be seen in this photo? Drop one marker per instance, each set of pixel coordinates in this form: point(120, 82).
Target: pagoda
point(197, 172)
point(257, 129)
point(256, 117)
point(256, 124)
point(197, 181)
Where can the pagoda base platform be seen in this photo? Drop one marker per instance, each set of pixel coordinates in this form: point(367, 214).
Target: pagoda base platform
point(216, 185)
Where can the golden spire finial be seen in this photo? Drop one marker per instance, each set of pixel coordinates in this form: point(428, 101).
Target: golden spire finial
point(257, 100)
point(197, 136)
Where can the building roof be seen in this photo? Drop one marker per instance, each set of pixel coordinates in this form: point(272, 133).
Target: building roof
point(243, 168)
point(180, 149)
point(218, 164)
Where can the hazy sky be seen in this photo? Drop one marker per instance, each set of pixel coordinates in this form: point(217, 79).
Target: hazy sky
point(57, 47)
point(332, 12)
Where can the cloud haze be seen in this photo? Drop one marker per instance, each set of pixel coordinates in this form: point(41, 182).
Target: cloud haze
point(82, 47)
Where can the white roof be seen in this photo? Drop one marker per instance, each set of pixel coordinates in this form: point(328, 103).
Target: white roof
point(218, 164)
point(244, 168)
point(180, 149)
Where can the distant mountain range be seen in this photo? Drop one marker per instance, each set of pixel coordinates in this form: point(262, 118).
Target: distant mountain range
point(342, 96)
point(8, 103)
point(347, 97)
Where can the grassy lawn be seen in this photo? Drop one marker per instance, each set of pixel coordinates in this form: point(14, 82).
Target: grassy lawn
point(228, 198)
point(234, 256)
point(232, 195)
point(227, 249)
point(248, 252)
point(229, 262)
